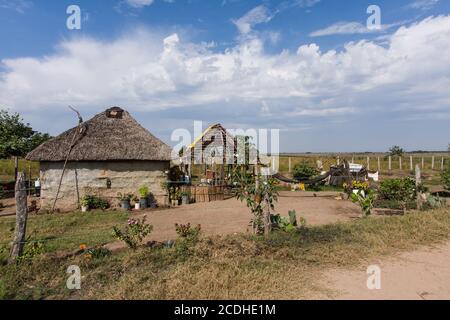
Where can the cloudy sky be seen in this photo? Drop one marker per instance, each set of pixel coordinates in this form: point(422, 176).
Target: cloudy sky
point(311, 68)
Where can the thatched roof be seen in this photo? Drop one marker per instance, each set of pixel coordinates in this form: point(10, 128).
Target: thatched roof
point(110, 135)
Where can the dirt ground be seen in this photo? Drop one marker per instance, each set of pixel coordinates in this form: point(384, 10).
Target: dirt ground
point(422, 274)
point(232, 216)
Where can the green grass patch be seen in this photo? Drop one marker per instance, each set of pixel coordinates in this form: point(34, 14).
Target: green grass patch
point(66, 231)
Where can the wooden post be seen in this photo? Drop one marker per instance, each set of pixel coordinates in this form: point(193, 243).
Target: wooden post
point(16, 168)
point(29, 179)
point(410, 163)
point(400, 163)
point(432, 162)
point(442, 163)
point(368, 163)
point(418, 182)
point(423, 163)
point(338, 160)
point(379, 164)
point(390, 163)
point(353, 159)
point(21, 218)
point(290, 167)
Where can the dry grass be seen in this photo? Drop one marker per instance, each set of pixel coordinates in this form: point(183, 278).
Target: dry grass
point(285, 266)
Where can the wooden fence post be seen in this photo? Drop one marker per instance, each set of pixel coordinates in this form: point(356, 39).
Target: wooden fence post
point(368, 163)
point(400, 163)
point(21, 218)
point(16, 167)
point(418, 182)
point(390, 163)
point(432, 162)
point(423, 163)
point(442, 163)
point(410, 163)
point(290, 167)
point(379, 164)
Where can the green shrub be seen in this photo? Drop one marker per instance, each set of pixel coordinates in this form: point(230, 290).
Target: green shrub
point(402, 190)
point(304, 170)
point(134, 232)
point(186, 231)
point(31, 250)
point(143, 192)
point(445, 178)
point(365, 199)
point(94, 202)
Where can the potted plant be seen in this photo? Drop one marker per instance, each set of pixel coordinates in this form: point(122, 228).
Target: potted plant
point(185, 198)
point(124, 199)
point(137, 204)
point(84, 204)
point(143, 193)
point(174, 196)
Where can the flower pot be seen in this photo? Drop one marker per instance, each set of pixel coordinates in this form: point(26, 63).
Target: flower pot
point(137, 206)
point(185, 200)
point(125, 205)
point(84, 208)
point(143, 203)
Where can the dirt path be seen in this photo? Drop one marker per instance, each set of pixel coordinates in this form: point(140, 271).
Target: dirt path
point(232, 216)
point(420, 275)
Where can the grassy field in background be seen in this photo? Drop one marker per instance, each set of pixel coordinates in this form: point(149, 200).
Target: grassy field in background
point(331, 159)
point(284, 266)
point(7, 169)
point(328, 159)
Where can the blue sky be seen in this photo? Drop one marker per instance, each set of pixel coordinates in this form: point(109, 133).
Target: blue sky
point(311, 68)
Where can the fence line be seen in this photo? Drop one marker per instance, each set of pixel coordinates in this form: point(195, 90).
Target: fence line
point(383, 163)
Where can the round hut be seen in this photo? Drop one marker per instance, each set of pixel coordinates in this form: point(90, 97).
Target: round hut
point(107, 154)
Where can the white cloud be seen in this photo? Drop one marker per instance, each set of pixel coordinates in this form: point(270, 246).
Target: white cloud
point(344, 27)
point(16, 5)
point(146, 71)
point(257, 15)
point(139, 3)
point(423, 4)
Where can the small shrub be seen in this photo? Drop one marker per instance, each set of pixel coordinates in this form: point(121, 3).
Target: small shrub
point(304, 170)
point(133, 233)
point(125, 196)
point(143, 192)
point(445, 178)
point(31, 250)
point(365, 199)
point(94, 202)
point(96, 252)
point(188, 237)
point(402, 190)
point(186, 231)
point(286, 224)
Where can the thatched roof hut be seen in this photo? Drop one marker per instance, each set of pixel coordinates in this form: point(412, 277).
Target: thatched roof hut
point(110, 135)
point(109, 153)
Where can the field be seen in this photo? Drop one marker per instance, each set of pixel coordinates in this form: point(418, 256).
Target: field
point(7, 169)
point(7, 165)
point(240, 266)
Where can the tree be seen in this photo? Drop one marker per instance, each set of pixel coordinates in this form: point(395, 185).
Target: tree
point(260, 199)
point(16, 137)
point(396, 151)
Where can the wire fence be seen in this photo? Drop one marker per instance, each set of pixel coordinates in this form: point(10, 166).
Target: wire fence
point(382, 162)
